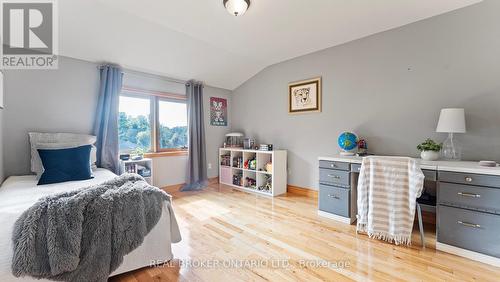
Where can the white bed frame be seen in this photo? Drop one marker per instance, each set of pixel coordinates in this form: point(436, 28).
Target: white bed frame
point(20, 192)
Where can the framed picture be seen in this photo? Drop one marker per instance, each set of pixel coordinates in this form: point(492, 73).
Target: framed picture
point(304, 96)
point(218, 111)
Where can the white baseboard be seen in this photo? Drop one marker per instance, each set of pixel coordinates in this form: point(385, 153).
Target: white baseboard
point(468, 254)
point(342, 219)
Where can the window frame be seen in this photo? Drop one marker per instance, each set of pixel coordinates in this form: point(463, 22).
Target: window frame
point(151, 108)
point(154, 103)
point(159, 149)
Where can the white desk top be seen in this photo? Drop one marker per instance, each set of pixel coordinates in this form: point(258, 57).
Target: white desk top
point(454, 166)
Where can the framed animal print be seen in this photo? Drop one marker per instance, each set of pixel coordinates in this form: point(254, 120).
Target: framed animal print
point(304, 96)
point(218, 111)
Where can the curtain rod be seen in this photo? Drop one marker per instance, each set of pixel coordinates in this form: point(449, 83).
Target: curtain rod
point(160, 77)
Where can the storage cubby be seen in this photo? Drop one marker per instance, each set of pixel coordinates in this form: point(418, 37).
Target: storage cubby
point(265, 172)
point(237, 159)
point(250, 179)
point(265, 183)
point(237, 178)
point(263, 159)
point(143, 167)
point(250, 160)
point(225, 158)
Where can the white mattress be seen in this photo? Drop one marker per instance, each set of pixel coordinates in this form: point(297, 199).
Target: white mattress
point(18, 193)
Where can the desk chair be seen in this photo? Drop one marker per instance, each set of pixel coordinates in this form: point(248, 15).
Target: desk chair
point(388, 189)
point(420, 225)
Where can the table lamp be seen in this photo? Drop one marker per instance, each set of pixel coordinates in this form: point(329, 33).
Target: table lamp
point(451, 120)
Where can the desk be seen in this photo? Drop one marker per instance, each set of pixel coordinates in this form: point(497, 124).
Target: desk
point(467, 206)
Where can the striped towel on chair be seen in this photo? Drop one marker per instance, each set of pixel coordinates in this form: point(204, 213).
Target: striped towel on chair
point(388, 189)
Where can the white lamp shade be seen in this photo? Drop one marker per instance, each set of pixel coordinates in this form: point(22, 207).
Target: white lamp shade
point(451, 121)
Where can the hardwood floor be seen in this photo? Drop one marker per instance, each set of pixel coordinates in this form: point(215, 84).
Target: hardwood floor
point(291, 243)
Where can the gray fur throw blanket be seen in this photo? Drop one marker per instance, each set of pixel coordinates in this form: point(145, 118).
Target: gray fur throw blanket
point(83, 235)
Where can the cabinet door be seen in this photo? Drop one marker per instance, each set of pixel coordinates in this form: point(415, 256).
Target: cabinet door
point(225, 175)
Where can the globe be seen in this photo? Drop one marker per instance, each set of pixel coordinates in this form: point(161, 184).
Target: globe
point(347, 141)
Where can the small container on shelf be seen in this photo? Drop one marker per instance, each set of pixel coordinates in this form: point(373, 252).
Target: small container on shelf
point(225, 160)
point(266, 147)
point(238, 162)
point(234, 140)
point(248, 144)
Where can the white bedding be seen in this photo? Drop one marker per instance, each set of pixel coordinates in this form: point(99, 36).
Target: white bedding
point(18, 193)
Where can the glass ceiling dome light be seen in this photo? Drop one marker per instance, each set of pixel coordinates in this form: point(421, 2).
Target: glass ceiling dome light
point(236, 7)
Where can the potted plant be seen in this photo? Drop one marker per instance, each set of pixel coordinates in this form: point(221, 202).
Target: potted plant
point(429, 150)
point(138, 153)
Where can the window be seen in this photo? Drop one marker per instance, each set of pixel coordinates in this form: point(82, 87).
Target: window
point(152, 122)
point(134, 125)
point(172, 118)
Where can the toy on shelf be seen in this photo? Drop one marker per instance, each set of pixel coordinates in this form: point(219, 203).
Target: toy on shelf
point(238, 162)
point(250, 183)
point(269, 167)
point(237, 179)
point(362, 147)
point(267, 186)
point(250, 164)
point(253, 164)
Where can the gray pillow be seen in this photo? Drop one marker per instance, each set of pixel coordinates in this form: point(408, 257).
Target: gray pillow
point(58, 141)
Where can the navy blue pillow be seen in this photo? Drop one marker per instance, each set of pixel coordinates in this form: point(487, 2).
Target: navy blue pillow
point(63, 165)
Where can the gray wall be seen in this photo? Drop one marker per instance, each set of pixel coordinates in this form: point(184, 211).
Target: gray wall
point(64, 100)
point(388, 88)
point(1, 147)
point(215, 134)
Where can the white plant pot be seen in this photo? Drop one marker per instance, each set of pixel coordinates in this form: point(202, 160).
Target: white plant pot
point(429, 155)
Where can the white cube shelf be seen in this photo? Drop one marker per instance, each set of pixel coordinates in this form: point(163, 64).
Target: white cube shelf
point(231, 168)
point(131, 166)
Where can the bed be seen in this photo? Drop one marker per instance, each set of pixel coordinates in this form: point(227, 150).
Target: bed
point(20, 192)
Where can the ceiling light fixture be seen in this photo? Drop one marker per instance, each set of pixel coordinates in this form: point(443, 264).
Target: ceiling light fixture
point(236, 7)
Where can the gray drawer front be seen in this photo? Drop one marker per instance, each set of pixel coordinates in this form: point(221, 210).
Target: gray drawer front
point(334, 200)
point(334, 177)
point(334, 165)
point(355, 167)
point(470, 178)
point(474, 231)
point(430, 175)
point(468, 196)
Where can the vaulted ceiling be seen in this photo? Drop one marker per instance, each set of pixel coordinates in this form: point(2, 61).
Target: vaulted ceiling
point(198, 39)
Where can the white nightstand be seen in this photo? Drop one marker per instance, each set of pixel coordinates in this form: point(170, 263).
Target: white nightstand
point(134, 166)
